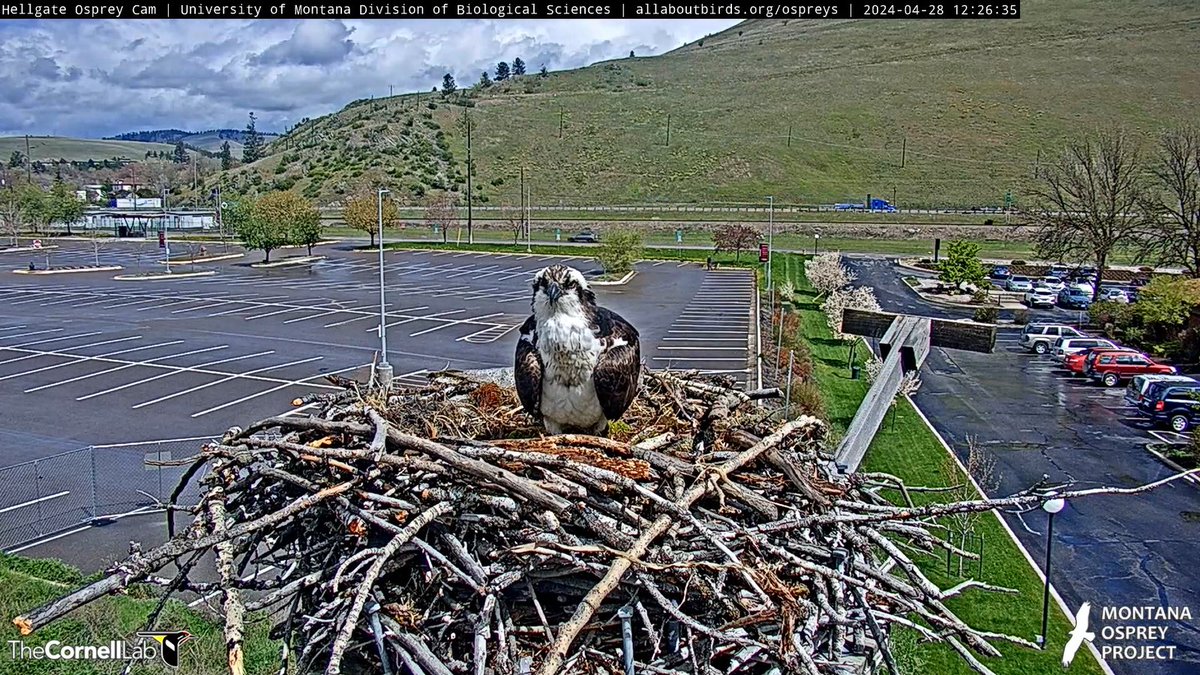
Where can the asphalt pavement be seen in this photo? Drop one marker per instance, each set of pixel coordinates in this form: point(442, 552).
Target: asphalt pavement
point(87, 359)
point(1112, 551)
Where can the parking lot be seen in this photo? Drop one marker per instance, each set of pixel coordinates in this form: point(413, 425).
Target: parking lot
point(1130, 550)
point(86, 359)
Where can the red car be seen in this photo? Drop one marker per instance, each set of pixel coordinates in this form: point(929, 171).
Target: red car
point(1077, 363)
point(1111, 367)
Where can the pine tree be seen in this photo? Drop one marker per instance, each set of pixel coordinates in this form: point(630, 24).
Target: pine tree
point(252, 144)
point(448, 85)
point(501, 71)
point(180, 156)
point(226, 157)
point(485, 80)
point(18, 160)
point(518, 67)
point(543, 72)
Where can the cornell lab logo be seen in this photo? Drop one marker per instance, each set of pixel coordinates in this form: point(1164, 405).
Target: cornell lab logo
point(170, 642)
point(1078, 634)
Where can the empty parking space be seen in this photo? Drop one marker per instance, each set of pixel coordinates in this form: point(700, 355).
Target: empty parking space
point(712, 332)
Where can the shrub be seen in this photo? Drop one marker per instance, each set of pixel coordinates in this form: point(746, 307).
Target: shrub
point(986, 314)
point(1019, 262)
point(806, 400)
point(979, 297)
point(1021, 317)
point(989, 221)
point(1144, 268)
point(619, 251)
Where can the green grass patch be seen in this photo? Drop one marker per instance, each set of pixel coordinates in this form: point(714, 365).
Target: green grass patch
point(26, 583)
point(906, 447)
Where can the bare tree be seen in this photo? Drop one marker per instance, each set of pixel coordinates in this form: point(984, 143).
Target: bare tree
point(441, 212)
point(514, 220)
point(1176, 203)
point(981, 466)
point(10, 211)
point(1090, 201)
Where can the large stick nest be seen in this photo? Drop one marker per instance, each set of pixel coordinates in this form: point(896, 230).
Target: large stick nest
point(440, 532)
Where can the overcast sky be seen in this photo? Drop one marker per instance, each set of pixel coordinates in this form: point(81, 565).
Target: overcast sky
point(100, 78)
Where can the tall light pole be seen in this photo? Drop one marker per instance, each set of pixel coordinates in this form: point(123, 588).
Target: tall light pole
point(383, 371)
point(1051, 506)
point(770, 238)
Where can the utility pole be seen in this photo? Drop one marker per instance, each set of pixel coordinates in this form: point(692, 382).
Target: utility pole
point(789, 134)
point(770, 237)
point(668, 129)
point(528, 222)
point(470, 194)
point(560, 123)
point(1036, 163)
point(28, 161)
point(903, 150)
point(390, 91)
point(383, 372)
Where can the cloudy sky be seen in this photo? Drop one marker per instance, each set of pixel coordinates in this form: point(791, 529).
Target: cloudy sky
point(99, 78)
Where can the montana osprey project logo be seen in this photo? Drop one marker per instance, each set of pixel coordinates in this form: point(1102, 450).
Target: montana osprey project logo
point(170, 642)
point(1078, 634)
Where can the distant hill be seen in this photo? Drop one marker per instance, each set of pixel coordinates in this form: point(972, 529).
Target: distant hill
point(938, 113)
point(209, 141)
point(48, 148)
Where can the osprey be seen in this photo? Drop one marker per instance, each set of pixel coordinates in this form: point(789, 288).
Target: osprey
point(578, 365)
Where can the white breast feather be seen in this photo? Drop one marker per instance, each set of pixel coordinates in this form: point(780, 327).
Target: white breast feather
point(569, 354)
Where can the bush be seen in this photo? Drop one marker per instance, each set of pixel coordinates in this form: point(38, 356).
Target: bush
point(1144, 268)
point(986, 314)
point(989, 221)
point(1019, 262)
point(979, 297)
point(619, 251)
point(806, 400)
point(1021, 317)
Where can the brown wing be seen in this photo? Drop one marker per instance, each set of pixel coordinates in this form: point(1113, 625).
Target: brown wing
point(527, 370)
point(618, 371)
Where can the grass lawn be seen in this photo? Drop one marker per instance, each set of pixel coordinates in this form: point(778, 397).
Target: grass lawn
point(907, 448)
point(26, 583)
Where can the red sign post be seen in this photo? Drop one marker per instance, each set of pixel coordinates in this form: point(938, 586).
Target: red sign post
point(764, 253)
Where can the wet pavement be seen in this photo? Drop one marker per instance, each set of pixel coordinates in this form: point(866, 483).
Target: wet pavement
point(1112, 551)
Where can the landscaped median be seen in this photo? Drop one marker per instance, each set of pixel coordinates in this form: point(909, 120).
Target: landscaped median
point(163, 276)
point(907, 447)
point(70, 270)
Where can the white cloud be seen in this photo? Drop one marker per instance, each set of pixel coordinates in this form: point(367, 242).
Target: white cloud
point(93, 79)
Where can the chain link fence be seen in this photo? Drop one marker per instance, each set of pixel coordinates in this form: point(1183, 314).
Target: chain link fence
point(89, 485)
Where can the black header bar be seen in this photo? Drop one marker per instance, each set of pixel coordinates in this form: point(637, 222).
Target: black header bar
point(538, 9)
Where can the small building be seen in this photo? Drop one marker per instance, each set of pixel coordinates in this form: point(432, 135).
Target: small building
point(130, 223)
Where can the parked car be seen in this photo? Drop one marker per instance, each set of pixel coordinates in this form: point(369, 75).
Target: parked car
point(584, 237)
point(1040, 337)
point(1176, 404)
point(1077, 364)
point(1066, 346)
point(1018, 284)
point(1040, 296)
point(1000, 272)
point(1136, 390)
point(1138, 282)
point(1073, 297)
point(1114, 295)
point(1053, 283)
point(1059, 271)
point(1132, 294)
point(1112, 367)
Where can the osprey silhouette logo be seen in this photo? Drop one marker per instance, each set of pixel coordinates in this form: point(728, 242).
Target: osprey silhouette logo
point(170, 644)
point(1079, 634)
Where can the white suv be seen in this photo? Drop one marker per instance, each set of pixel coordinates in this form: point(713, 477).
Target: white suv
point(1040, 296)
point(1040, 337)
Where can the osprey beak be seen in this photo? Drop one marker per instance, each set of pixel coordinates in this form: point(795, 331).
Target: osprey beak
point(553, 291)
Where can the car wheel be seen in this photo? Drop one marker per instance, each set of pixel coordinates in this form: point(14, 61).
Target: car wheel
point(1111, 379)
point(1179, 423)
point(1041, 348)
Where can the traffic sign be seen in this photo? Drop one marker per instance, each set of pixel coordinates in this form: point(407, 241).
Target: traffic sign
point(162, 239)
point(37, 243)
point(764, 253)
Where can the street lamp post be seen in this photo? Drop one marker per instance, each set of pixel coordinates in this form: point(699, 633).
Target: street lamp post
point(1051, 506)
point(383, 371)
point(816, 242)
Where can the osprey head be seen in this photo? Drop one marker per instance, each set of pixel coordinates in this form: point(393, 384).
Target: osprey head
point(559, 289)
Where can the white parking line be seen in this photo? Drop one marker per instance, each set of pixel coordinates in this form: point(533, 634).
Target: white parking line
point(418, 318)
point(176, 372)
point(705, 339)
point(41, 342)
point(126, 366)
point(305, 381)
point(71, 363)
point(705, 349)
point(37, 298)
point(11, 328)
point(325, 313)
point(223, 380)
point(707, 332)
point(281, 311)
point(357, 318)
point(455, 323)
point(181, 301)
point(688, 359)
point(130, 303)
point(218, 303)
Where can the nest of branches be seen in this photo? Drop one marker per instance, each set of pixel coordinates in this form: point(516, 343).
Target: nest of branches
point(438, 532)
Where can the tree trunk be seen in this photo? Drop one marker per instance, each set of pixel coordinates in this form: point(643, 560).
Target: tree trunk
point(310, 249)
point(266, 255)
point(1100, 260)
point(372, 233)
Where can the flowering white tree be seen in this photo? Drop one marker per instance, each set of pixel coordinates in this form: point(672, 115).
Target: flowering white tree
point(859, 297)
point(827, 274)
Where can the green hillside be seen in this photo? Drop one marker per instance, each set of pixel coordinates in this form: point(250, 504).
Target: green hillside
point(46, 148)
point(969, 104)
